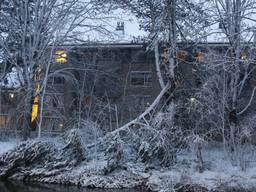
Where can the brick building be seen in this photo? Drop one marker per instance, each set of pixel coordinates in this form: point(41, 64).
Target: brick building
point(107, 83)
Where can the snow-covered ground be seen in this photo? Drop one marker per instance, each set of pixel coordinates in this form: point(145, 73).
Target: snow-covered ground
point(105, 170)
point(219, 171)
point(8, 145)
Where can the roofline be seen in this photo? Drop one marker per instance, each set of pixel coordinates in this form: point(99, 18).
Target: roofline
point(144, 45)
point(223, 44)
point(104, 45)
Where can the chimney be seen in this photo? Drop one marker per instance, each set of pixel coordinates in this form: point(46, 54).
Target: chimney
point(120, 27)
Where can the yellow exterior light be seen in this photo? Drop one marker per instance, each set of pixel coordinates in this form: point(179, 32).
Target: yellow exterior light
point(200, 57)
point(61, 56)
point(61, 125)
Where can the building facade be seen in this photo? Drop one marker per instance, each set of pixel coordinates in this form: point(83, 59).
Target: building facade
point(109, 84)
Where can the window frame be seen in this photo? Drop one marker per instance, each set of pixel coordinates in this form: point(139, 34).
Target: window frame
point(146, 81)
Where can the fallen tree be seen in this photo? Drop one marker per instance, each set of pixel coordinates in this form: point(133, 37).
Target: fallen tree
point(136, 142)
point(139, 141)
point(66, 160)
point(38, 158)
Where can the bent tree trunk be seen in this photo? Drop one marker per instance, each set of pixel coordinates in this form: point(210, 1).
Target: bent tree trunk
point(170, 85)
point(142, 118)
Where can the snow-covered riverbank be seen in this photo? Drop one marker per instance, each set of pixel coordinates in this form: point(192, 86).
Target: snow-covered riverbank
point(219, 172)
point(67, 162)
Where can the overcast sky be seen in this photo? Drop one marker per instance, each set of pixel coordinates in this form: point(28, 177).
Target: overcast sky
point(132, 29)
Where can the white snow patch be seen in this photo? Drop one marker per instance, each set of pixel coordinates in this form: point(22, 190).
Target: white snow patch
point(219, 171)
point(13, 79)
point(6, 146)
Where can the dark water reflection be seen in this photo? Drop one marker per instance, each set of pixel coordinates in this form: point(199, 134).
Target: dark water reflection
point(9, 186)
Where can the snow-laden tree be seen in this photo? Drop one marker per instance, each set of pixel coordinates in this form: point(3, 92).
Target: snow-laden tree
point(227, 90)
point(168, 22)
point(30, 32)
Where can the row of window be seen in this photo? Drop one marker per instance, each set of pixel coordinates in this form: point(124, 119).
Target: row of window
point(199, 57)
point(137, 78)
point(183, 56)
point(62, 57)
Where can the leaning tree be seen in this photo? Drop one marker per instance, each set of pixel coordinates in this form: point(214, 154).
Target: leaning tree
point(167, 22)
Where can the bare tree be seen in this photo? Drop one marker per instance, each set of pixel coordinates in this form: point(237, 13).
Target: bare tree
point(38, 27)
point(225, 94)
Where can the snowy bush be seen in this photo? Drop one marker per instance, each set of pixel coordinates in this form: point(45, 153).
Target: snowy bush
point(161, 140)
point(196, 143)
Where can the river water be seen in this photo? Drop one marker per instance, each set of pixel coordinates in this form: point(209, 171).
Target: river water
point(9, 186)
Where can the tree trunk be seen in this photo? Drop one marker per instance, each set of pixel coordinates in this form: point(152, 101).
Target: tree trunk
point(172, 41)
point(27, 114)
point(157, 62)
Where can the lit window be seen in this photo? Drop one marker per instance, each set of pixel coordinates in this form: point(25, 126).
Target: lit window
point(35, 106)
point(181, 55)
point(141, 78)
point(200, 57)
point(61, 56)
point(35, 109)
point(3, 120)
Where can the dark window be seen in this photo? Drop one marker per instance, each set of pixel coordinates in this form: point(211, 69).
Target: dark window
point(141, 58)
point(59, 80)
point(107, 56)
point(141, 78)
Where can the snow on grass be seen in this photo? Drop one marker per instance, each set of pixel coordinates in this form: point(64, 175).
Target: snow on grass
point(220, 170)
point(8, 145)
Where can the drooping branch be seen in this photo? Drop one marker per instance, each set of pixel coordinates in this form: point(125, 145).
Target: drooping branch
point(249, 103)
point(147, 111)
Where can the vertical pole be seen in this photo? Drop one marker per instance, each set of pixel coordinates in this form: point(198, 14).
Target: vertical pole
point(117, 122)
